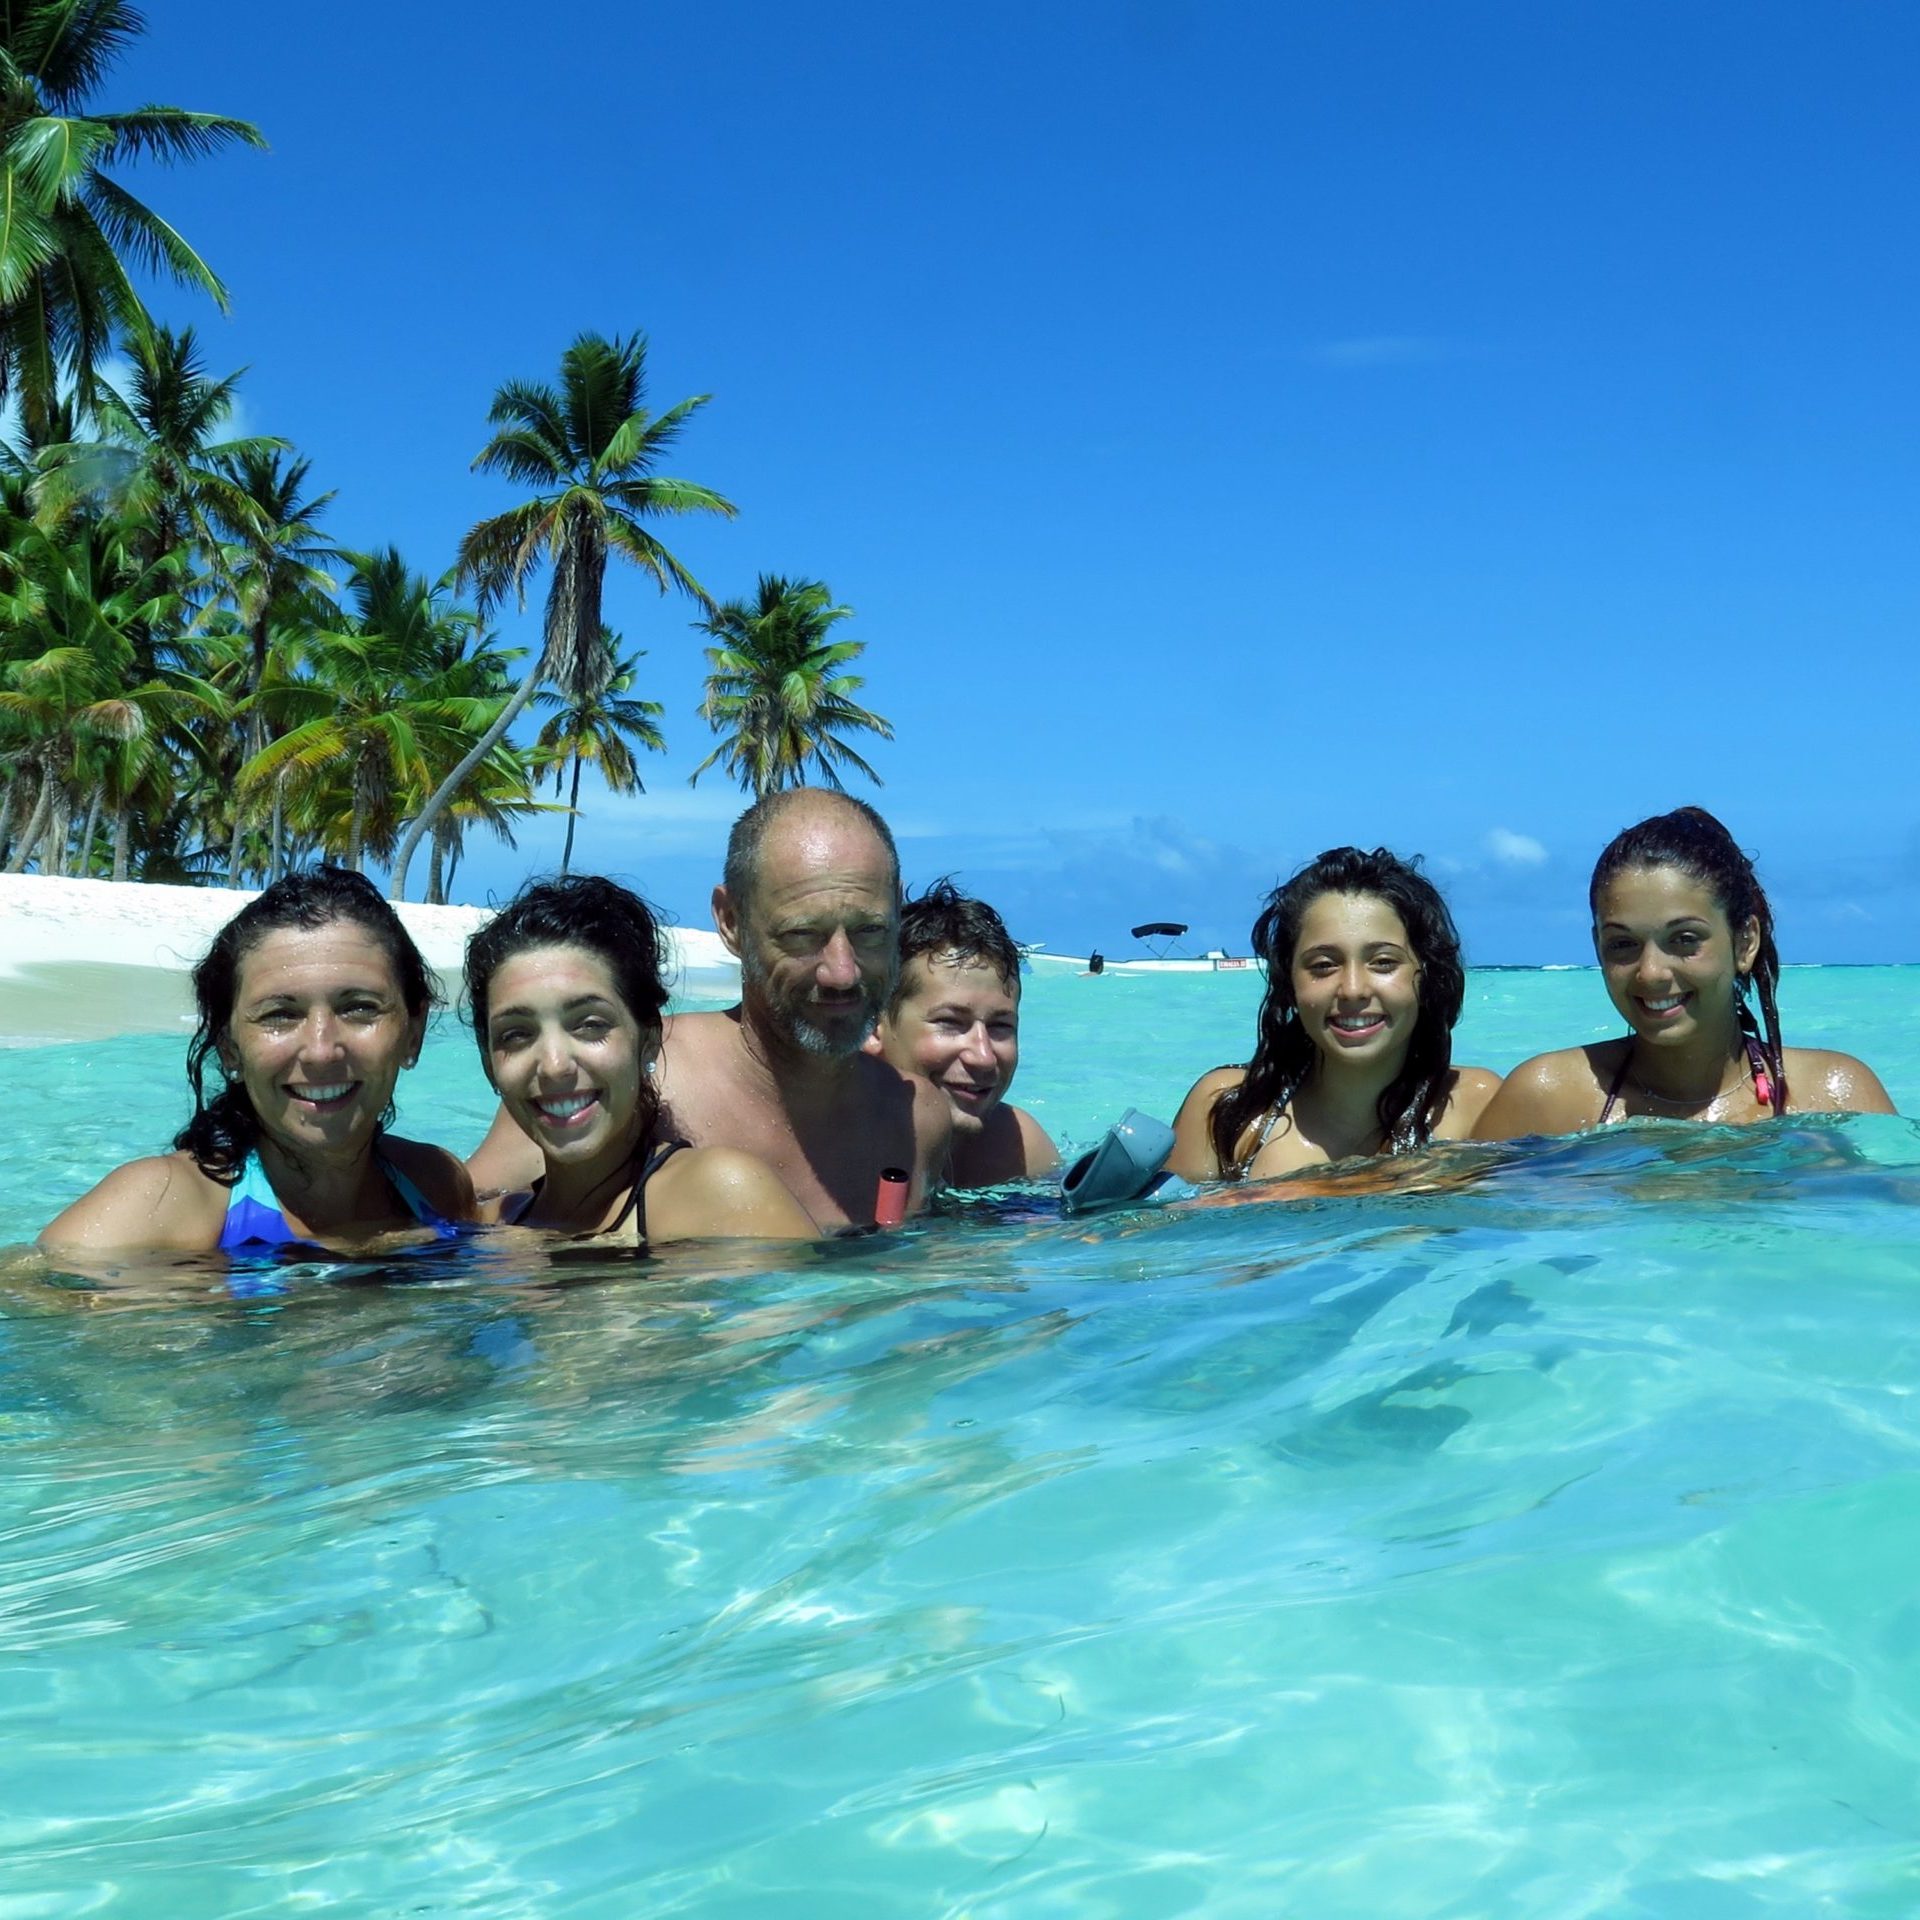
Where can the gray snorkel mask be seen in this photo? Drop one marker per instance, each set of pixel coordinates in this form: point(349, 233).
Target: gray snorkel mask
point(1124, 1169)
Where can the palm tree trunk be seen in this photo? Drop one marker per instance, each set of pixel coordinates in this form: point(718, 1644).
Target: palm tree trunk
point(275, 848)
point(36, 820)
point(7, 799)
point(87, 832)
point(573, 818)
point(457, 778)
point(36, 824)
point(252, 745)
point(436, 870)
point(120, 841)
point(53, 855)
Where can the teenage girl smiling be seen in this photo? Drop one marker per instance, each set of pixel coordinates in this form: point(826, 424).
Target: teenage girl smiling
point(1353, 1052)
point(1683, 932)
point(567, 991)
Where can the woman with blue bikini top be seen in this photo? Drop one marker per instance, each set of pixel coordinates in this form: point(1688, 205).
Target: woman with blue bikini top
point(312, 1000)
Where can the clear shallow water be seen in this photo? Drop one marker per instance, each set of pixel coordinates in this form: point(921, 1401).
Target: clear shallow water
point(1542, 1544)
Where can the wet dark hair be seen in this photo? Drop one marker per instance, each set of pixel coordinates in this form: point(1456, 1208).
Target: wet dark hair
point(944, 920)
point(225, 1129)
point(1408, 1109)
point(743, 841)
point(578, 910)
point(1692, 840)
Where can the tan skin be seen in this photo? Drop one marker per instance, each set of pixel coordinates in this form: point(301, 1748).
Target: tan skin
point(957, 1022)
point(569, 1060)
point(1670, 958)
point(319, 1035)
point(816, 941)
point(1356, 984)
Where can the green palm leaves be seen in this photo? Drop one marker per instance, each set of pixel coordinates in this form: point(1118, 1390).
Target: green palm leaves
point(596, 721)
point(588, 448)
point(71, 235)
point(776, 693)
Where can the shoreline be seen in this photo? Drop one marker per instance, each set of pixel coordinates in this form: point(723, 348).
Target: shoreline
point(88, 959)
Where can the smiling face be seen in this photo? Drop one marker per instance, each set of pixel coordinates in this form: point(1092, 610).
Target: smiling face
point(818, 933)
point(318, 1036)
point(1356, 981)
point(958, 1023)
point(1669, 958)
point(567, 1056)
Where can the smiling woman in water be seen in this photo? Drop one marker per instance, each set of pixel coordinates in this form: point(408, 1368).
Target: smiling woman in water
point(567, 990)
point(1684, 935)
point(1354, 1049)
point(312, 1000)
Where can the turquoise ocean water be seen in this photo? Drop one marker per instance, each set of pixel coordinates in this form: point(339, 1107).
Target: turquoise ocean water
point(1542, 1541)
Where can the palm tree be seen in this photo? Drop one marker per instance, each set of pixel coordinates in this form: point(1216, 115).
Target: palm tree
point(81, 597)
point(775, 692)
point(368, 723)
point(157, 454)
point(595, 721)
point(69, 232)
point(588, 449)
point(274, 575)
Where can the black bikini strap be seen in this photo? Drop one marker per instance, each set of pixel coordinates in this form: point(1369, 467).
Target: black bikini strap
point(1619, 1081)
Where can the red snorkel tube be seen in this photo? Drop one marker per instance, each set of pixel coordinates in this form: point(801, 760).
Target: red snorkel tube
point(890, 1199)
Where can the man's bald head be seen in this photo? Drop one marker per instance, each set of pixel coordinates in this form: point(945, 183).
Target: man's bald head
point(776, 816)
point(811, 906)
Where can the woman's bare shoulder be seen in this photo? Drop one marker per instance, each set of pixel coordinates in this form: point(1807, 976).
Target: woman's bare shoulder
point(1819, 1081)
point(162, 1201)
point(721, 1193)
point(1193, 1157)
point(1551, 1093)
point(1216, 1080)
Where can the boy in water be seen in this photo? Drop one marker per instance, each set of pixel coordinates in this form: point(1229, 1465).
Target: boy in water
point(954, 1017)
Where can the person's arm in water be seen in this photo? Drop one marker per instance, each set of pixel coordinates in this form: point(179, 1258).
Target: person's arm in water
point(163, 1203)
point(506, 1161)
point(1193, 1157)
point(716, 1193)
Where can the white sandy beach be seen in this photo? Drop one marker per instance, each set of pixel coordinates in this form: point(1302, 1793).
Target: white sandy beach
point(82, 959)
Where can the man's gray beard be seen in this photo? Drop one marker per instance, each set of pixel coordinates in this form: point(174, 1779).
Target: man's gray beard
point(791, 1023)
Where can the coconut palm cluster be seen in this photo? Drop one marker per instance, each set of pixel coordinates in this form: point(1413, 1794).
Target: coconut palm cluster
point(197, 682)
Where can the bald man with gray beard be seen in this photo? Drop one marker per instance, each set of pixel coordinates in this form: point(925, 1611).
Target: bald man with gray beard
point(810, 906)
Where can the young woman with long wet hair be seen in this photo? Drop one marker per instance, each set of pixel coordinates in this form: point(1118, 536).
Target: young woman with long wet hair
point(1353, 1053)
point(313, 1000)
point(567, 986)
point(1683, 931)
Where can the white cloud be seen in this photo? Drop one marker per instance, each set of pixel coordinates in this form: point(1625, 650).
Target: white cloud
point(1515, 849)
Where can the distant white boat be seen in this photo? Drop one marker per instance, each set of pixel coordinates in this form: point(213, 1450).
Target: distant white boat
point(1214, 960)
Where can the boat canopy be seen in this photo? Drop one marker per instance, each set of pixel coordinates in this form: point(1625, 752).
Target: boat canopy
point(1160, 930)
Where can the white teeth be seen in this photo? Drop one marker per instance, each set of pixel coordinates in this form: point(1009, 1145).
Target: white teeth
point(567, 1108)
point(324, 1093)
point(1661, 1006)
point(1356, 1022)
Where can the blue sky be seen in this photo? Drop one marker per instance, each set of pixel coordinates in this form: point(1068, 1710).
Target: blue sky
point(1240, 429)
